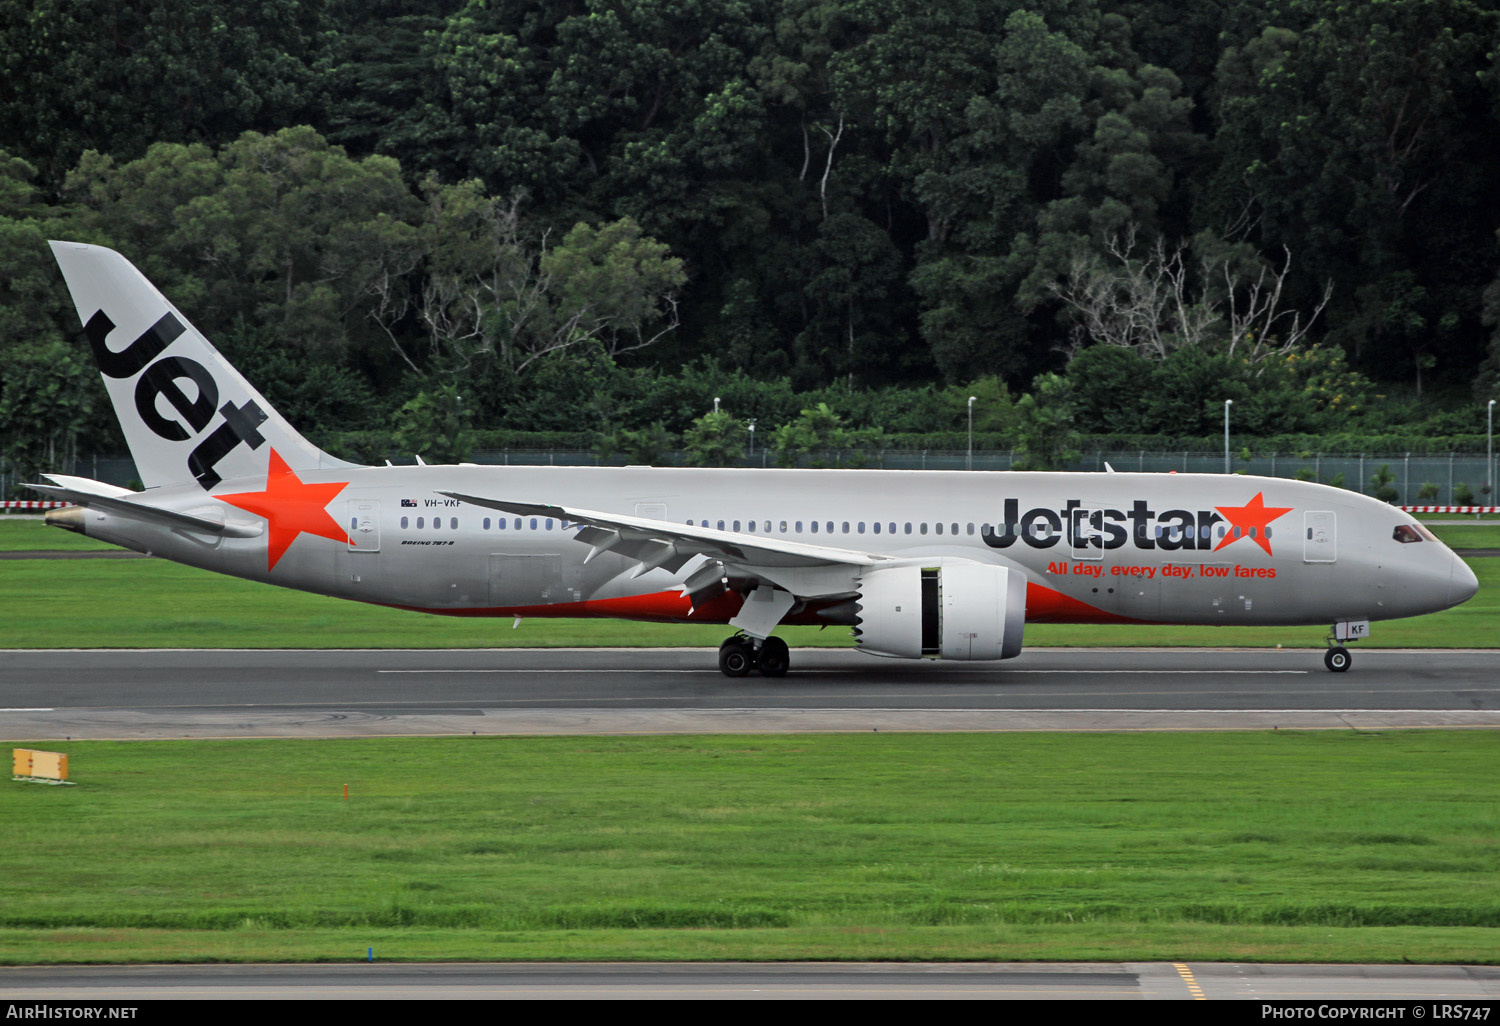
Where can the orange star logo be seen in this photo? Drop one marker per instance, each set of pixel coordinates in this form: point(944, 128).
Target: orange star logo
point(1251, 520)
point(290, 508)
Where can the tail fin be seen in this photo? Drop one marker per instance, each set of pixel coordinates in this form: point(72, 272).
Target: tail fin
point(186, 413)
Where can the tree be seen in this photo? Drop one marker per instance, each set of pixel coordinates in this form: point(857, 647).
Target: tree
point(51, 400)
point(1153, 303)
point(1347, 135)
point(496, 291)
point(435, 425)
point(282, 231)
point(716, 439)
point(817, 429)
point(1046, 439)
point(1383, 480)
point(643, 447)
point(117, 78)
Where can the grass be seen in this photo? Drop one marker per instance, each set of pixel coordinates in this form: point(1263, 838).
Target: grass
point(1356, 847)
point(156, 604)
point(1469, 536)
point(18, 535)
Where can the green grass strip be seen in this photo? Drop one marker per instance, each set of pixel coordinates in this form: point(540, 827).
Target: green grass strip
point(1269, 846)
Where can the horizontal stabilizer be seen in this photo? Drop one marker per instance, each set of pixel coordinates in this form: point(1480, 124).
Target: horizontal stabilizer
point(111, 499)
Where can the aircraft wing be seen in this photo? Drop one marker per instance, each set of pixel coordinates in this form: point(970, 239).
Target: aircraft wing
point(801, 570)
point(112, 499)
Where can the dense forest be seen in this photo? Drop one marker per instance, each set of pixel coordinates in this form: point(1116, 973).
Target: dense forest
point(427, 223)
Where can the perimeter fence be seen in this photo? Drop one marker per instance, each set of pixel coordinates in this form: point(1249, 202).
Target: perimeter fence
point(1428, 478)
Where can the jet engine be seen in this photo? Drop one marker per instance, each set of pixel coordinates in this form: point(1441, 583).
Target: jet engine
point(955, 610)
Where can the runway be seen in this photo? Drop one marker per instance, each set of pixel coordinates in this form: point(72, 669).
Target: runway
point(1476, 986)
point(80, 694)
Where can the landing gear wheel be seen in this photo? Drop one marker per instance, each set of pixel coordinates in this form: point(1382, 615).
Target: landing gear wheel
point(774, 658)
point(736, 657)
point(1337, 659)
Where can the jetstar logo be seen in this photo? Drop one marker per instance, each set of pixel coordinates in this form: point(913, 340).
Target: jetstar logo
point(1098, 527)
point(160, 379)
point(290, 508)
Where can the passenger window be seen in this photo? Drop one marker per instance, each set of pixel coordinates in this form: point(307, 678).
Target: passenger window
point(783, 527)
point(403, 523)
point(751, 524)
point(939, 528)
point(721, 525)
point(453, 523)
point(422, 521)
point(768, 527)
point(876, 525)
point(518, 523)
point(814, 526)
point(955, 529)
point(533, 523)
point(846, 527)
point(908, 528)
point(736, 525)
point(549, 523)
point(486, 523)
point(860, 527)
point(922, 527)
point(971, 530)
point(799, 527)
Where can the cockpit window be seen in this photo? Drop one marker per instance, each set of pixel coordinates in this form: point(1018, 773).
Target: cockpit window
point(1406, 534)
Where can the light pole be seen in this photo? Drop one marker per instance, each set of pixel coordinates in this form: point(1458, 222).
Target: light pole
point(1227, 404)
point(752, 436)
point(716, 404)
point(971, 432)
point(1489, 449)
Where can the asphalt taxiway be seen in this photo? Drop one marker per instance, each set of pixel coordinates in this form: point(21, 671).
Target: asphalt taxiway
point(301, 693)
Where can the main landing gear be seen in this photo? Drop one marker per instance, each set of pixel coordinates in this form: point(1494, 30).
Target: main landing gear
point(1337, 658)
point(742, 653)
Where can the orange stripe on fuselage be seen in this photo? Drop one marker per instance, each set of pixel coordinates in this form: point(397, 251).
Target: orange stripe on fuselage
point(1048, 605)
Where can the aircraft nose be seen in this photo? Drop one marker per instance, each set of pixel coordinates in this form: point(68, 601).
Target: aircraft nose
point(1463, 585)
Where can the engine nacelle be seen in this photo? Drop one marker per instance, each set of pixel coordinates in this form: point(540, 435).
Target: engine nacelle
point(948, 611)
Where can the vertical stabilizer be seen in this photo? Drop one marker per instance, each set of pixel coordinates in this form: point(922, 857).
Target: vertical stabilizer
point(186, 413)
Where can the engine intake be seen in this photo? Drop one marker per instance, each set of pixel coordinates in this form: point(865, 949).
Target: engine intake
point(967, 611)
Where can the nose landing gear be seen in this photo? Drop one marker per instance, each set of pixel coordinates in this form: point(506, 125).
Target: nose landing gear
point(741, 654)
point(1337, 658)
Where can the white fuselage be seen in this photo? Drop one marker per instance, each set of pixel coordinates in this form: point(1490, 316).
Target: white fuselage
point(1093, 547)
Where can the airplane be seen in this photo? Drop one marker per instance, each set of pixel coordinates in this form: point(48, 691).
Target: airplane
point(920, 564)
